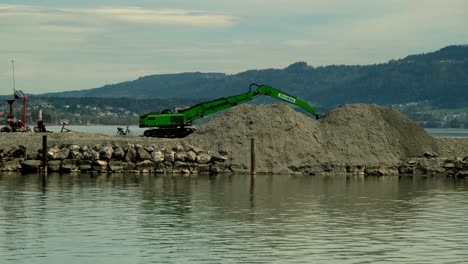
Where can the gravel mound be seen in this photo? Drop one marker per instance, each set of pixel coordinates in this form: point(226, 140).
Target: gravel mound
point(363, 132)
point(287, 140)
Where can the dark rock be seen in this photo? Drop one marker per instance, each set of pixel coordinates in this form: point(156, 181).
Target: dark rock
point(54, 165)
point(84, 165)
point(128, 166)
point(106, 153)
point(119, 153)
point(97, 147)
point(164, 167)
point(405, 169)
point(19, 152)
point(31, 165)
point(74, 147)
point(359, 170)
point(149, 149)
point(131, 155)
point(179, 148)
point(327, 167)
point(116, 166)
point(185, 172)
point(180, 166)
point(12, 165)
point(90, 154)
point(203, 158)
point(76, 155)
point(218, 168)
point(434, 169)
point(462, 174)
point(449, 164)
point(201, 168)
point(169, 156)
point(180, 156)
point(143, 154)
point(381, 170)
point(145, 166)
point(128, 146)
point(69, 165)
point(216, 157)
point(99, 165)
point(191, 156)
point(196, 150)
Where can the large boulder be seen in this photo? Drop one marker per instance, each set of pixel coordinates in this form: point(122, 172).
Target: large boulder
point(157, 156)
point(57, 153)
point(143, 154)
point(31, 165)
point(11, 165)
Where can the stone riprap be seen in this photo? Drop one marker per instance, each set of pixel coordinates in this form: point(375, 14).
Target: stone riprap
point(192, 160)
point(115, 158)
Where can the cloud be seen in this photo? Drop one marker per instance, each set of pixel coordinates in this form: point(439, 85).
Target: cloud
point(62, 47)
point(136, 15)
point(166, 16)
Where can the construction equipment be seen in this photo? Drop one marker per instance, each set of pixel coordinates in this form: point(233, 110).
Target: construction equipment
point(169, 124)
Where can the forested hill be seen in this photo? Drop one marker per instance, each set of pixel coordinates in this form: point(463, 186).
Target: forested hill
point(440, 77)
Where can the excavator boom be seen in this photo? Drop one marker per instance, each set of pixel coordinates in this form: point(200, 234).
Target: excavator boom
point(270, 91)
point(172, 125)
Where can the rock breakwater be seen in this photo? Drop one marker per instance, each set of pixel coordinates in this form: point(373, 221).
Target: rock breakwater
point(351, 139)
point(191, 160)
point(116, 158)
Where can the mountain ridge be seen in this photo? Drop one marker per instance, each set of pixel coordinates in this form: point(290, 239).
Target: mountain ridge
point(440, 77)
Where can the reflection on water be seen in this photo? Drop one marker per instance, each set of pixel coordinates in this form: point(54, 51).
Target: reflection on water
point(226, 219)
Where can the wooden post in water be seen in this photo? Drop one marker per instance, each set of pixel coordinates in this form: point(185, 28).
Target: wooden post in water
point(44, 154)
point(252, 157)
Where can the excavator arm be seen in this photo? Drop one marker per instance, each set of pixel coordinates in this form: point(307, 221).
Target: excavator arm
point(168, 124)
point(217, 105)
point(211, 107)
point(270, 91)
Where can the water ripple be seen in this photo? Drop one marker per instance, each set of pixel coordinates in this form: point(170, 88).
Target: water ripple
point(176, 219)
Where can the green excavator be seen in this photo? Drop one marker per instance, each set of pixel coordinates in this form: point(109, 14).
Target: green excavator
point(177, 124)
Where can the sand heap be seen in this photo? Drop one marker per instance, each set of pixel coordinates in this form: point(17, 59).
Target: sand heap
point(288, 141)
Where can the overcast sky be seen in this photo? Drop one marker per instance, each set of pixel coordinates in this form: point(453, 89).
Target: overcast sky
point(81, 44)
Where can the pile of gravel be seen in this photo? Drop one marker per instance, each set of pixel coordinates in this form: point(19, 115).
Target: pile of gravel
point(287, 140)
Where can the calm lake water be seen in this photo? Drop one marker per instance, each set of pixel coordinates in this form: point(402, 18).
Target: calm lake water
point(226, 219)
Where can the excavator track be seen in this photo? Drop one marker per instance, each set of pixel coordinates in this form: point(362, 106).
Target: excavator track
point(169, 132)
